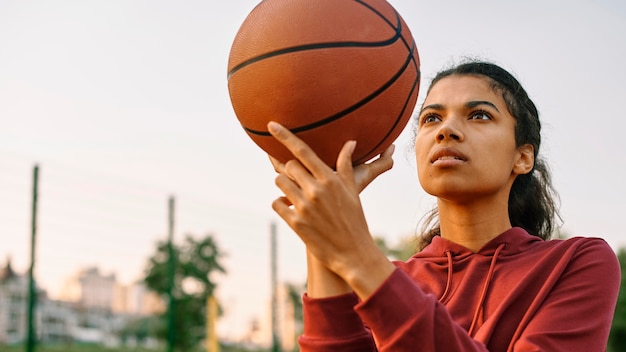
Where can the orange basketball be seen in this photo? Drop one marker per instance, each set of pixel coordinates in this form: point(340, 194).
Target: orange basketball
point(329, 70)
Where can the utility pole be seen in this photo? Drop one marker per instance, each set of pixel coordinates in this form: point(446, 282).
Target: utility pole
point(32, 293)
point(274, 266)
point(171, 326)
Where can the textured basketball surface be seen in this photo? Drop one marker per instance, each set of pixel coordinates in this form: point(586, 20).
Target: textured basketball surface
point(329, 70)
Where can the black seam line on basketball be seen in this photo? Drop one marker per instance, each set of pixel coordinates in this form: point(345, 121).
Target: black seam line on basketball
point(412, 51)
point(397, 28)
point(406, 103)
point(348, 110)
point(410, 47)
point(327, 45)
point(313, 47)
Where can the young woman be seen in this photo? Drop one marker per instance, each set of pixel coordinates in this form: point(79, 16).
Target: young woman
point(488, 278)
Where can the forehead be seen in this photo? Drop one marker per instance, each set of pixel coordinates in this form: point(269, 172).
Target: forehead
point(464, 88)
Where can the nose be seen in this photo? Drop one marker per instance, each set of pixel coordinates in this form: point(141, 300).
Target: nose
point(449, 129)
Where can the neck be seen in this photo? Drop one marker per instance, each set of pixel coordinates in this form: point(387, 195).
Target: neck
point(472, 225)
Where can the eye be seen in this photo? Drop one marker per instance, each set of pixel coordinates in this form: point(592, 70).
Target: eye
point(480, 115)
point(428, 118)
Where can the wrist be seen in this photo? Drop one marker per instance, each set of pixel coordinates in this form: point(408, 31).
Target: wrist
point(322, 282)
point(366, 277)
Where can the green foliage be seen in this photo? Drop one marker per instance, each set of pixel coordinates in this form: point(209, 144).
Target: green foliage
point(294, 292)
point(617, 338)
point(142, 328)
point(195, 261)
point(403, 250)
point(75, 348)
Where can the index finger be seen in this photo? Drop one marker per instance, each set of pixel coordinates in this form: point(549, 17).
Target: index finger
point(298, 148)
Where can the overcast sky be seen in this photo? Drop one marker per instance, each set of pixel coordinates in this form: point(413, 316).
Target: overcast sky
point(125, 103)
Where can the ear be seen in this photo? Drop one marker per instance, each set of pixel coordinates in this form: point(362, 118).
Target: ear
point(525, 160)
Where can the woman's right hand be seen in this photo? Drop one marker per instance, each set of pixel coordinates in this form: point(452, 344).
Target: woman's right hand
point(323, 208)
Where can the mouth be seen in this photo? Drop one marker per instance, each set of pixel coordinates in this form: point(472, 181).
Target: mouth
point(448, 154)
point(448, 158)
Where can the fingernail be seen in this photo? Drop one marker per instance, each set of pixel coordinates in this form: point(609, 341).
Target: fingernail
point(352, 146)
point(273, 126)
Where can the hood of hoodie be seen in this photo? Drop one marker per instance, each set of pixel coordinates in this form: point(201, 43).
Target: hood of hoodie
point(516, 240)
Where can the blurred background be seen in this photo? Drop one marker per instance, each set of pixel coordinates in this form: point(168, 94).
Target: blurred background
point(123, 106)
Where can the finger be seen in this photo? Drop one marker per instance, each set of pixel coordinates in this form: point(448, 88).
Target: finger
point(384, 162)
point(282, 202)
point(344, 162)
point(289, 187)
point(291, 169)
point(389, 151)
point(299, 149)
point(282, 207)
point(366, 173)
point(278, 166)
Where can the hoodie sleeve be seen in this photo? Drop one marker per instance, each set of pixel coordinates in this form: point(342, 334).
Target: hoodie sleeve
point(331, 324)
point(577, 314)
point(404, 318)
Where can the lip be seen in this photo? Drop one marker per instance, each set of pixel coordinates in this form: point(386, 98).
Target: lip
point(447, 156)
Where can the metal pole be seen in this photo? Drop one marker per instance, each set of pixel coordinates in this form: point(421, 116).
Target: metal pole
point(32, 294)
point(274, 266)
point(171, 333)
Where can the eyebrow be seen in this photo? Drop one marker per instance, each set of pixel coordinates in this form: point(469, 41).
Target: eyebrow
point(473, 104)
point(431, 106)
point(469, 104)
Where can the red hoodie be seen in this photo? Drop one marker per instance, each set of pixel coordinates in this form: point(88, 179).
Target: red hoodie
point(518, 293)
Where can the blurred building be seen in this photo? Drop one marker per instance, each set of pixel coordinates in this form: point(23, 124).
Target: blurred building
point(49, 315)
point(92, 289)
point(96, 290)
point(13, 299)
point(89, 288)
point(136, 299)
point(94, 308)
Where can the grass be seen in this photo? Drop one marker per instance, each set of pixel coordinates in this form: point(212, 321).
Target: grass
point(94, 348)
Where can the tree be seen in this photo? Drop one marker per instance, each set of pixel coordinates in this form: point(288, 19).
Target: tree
point(195, 261)
point(140, 329)
point(403, 250)
point(617, 338)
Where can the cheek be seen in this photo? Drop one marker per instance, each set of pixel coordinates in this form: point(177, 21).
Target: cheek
point(501, 164)
point(419, 151)
point(421, 156)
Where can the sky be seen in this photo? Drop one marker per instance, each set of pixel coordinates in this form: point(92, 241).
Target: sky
point(123, 104)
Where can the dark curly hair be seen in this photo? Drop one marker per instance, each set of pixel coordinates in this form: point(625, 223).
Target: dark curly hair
point(533, 201)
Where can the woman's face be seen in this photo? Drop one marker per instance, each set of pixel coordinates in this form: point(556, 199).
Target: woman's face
point(465, 143)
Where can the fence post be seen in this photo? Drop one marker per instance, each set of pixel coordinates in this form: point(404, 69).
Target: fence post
point(171, 322)
point(32, 293)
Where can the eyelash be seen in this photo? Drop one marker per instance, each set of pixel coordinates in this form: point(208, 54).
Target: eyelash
point(427, 116)
point(423, 119)
point(481, 112)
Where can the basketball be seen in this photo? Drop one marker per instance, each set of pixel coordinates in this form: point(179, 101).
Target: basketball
point(328, 70)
